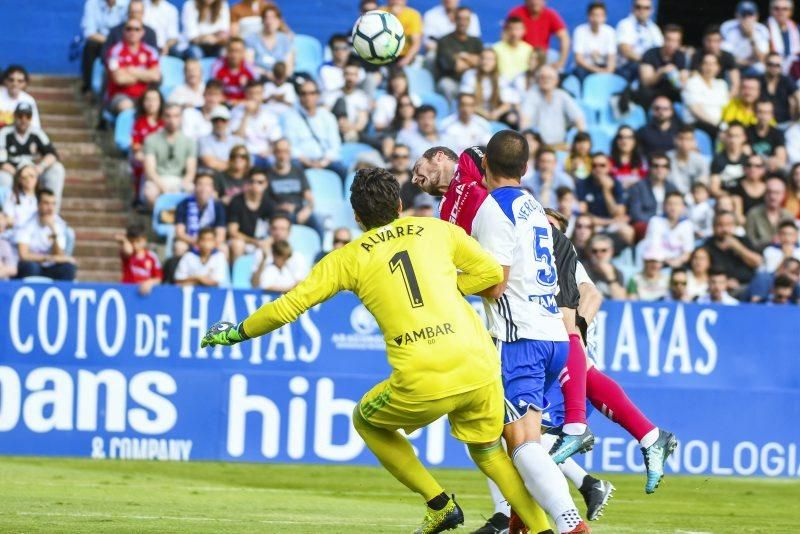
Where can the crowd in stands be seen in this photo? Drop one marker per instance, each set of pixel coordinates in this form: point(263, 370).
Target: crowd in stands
point(677, 167)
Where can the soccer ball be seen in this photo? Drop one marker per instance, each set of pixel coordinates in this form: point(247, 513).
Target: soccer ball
point(378, 37)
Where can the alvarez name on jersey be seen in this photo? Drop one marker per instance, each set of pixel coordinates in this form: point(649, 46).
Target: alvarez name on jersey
point(512, 226)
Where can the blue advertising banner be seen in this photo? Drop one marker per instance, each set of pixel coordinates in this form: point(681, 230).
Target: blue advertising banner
point(100, 371)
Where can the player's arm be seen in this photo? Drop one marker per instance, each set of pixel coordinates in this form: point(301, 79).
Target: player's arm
point(327, 278)
point(591, 298)
point(479, 270)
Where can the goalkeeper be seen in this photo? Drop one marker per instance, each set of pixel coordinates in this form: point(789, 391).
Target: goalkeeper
point(406, 272)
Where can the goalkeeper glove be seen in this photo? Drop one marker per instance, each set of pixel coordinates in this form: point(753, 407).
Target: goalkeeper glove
point(223, 333)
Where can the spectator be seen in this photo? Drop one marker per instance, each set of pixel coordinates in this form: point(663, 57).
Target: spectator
point(424, 135)
point(21, 143)
point(198, 211)
point(253, 121)
point(351, 106)
point(494, 98)
point(763, 282)
point(783, 290)
point(132, 66)
point(139, 264)
point(162, 16)
point(214, 149)
point(527, 80)
point(765, 219)
point(636, 34)
point(465, 128)
point(582, 235)
point(678, 281)
point(742, 109)
point(386, 105)
point(746, 38)
point(248, 215)
point(724, 202)
point(594, 43)
point(190, 93)
point(627, 165)
point(12, 94)
point(549, 110)
point(766, 140)
point(197, 121)
point(8, 258)
point(246, 17)
point(603, 197)
point(313, 132)
point(42, 242)
point(735, 256)
point(671, 235)
point(646, 197)
point(402, 121)
point(513, 53)
point(279, 274)
point(547, 179)
point(658, 135)
point(206, 26)
point(424, 206)
point(579, 160)
point(411, 21)
point(705, 96)
point(331, 73)
point(786, 247)
point(280, 227)
point(698, 275)
point(279, 94)
point(792, 202)
point(749, 190)
point(289, 188)
point(687, 165)
point(231, 181)
point(663, 70)
point(203, 265)
point(135, 13)
point(341, 237)
point(170, 158)
point(542, 23)
point(604, 274)
point(728, 165)
point(784, 35)
point(652, 283)
point(440, 20)
point(712, 44)
point(273, 44)
point(701, 210)
point(21, 204)
point(717, 290)
point(149, 113)
point(400, 167)
point(99, 16)
point(567, 205)
point(179, 248)
point(779, 89)
point(233, 71)
point(456, 53)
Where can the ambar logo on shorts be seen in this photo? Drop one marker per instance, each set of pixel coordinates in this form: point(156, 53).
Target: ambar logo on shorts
point(366, 334)
point(428, 333)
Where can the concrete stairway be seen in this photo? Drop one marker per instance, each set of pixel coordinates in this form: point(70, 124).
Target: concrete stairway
point(91, 203)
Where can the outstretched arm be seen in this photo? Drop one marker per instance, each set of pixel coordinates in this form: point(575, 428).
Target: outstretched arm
point(479, 270)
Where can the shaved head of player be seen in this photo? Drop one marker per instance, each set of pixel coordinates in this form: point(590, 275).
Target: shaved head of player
point(434, 170)
point(506, 159)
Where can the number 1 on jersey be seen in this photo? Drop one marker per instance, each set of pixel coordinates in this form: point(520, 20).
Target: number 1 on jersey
point(402, 262)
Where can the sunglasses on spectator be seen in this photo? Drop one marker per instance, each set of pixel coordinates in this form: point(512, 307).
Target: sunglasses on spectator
point(642, 6)
point(625, 136)
point(342, 241)
point(600, 250)
point(661, 108)
point(659, 166)
point(599, 165)
point(133, 28)
point(258, 182)
point(400, 156)
point(241, 155)
point(306, 93)
point(583, 226)
point(774, 65)
point(679, 283)
point(171, 152)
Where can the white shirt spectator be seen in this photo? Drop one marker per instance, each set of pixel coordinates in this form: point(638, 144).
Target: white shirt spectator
point(193, 27)
point(386, 108)
point(642, 37)
point(216, 267)
point(163, 18)
point(260, 131)
point(469, 83)
point(702, 217)
point(459, 136)
point(551, 119)
point(792, 138)
point(669, 242)
point(416, 142)
point(726, 300)
point(713, 98)
point(355, 102)
point(8, 105)
point(194, 124)
point(773, 256)
point(315, 137)
point(602, 44)
point(436, 24)
point(22, 211)
point(185, 96)
point(735, 42)
point(38, 237)
point(285, 90)
point(295, 270)
point(211, 145)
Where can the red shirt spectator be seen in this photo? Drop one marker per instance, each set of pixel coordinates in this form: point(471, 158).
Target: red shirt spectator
point(539, 27)
point(233, 72)
point(142, 127)
point(139, 267)
point(122, 56)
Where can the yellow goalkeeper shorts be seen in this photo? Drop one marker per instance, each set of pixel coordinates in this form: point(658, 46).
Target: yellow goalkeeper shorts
point(475, 416)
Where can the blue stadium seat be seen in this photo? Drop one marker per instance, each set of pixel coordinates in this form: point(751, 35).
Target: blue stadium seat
point(98, 76)
point(350, 152)
point(572, 85)
point(439, 103)
point(704, 143)
point(206, 64)
point(602, 136)
point(171, 74)
point(166, 201)
point(307, 54)
point(348, 182)
point(420, 81)
point(345, 217)
point(598, 89)
point(4, 193)
point(497, 126)
point(592, 115)
point(305, 241)
point(123, 127)
point(242, 271)
point(636, 117)
point(327, 188)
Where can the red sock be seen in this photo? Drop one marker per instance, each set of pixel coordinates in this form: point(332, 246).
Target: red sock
point(610, 399)
point(573, 382)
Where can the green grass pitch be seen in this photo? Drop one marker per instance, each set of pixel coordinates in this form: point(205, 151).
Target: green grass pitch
point(80, 495)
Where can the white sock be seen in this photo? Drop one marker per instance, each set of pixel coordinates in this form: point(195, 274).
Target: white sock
point(546, 484)
point(649, 438)
point(547, 441)
point(501, 505)
point(574, 429)
point(573, 472)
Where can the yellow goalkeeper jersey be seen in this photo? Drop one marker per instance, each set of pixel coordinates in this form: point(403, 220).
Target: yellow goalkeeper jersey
point(407, 275)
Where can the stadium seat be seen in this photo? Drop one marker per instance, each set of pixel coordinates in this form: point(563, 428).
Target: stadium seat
point(242, 271)
point(439, 103)
point(164, 202)
point(350, 151)
point(601, 137)
point(305, 241)
point(344, 217)
point(704, 143)
point(171, 74)
point(420, 81)
point(327, 188)
point(592, 115)
point(308, 54)
point(348, 182)
point(37, 280)
point(572, 85)
point(98, 76)
point(497, 126)
point(598, 89)
point(123, 128)
point(4, 193)
point(206, 65)
point(635, 117)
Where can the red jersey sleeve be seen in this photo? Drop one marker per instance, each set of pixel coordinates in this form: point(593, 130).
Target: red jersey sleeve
point(466, 192)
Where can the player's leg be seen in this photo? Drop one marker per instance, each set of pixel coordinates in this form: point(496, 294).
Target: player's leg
point(502, 510)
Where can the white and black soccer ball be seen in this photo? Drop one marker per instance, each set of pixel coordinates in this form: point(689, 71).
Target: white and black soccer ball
point(378, 37)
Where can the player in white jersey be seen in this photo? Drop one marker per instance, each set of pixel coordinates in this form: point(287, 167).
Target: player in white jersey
point(524, 319)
